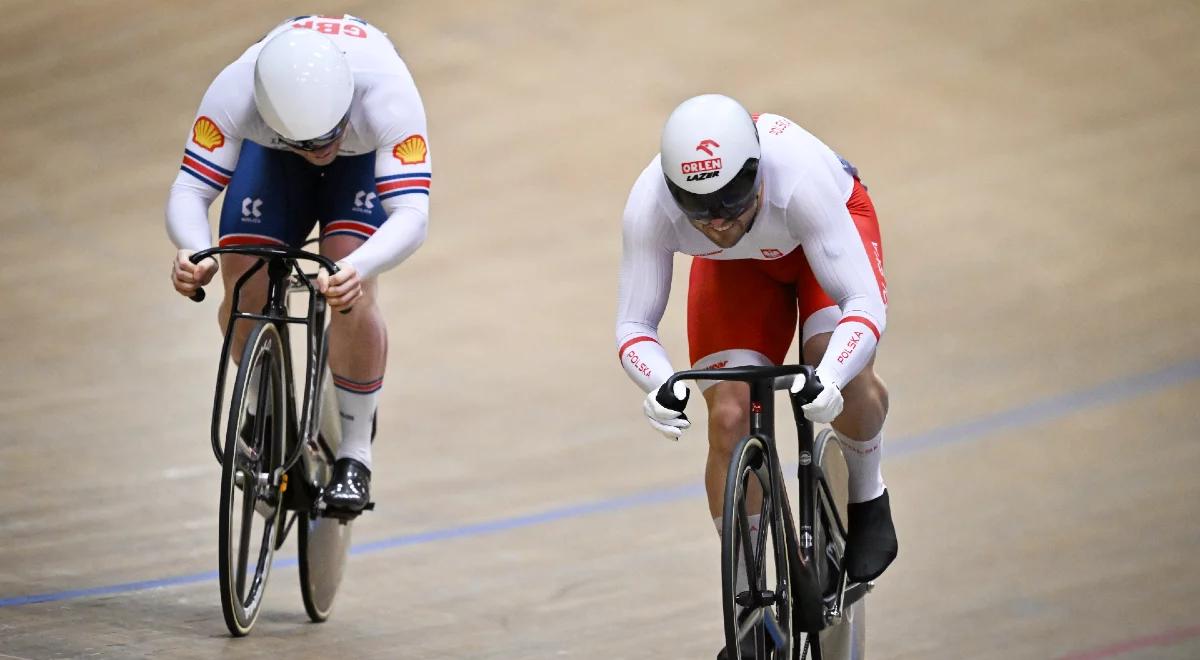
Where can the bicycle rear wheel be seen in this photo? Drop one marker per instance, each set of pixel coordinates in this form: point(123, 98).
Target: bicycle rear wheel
point(844, 639)
point(758, 606)
point(324, 542)
point(252, 482)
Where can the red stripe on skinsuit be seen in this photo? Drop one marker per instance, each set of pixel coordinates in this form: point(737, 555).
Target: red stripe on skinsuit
point(636, 340)
point(863, 320)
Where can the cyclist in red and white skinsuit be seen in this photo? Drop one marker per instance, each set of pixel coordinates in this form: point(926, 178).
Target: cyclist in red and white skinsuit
point(318, 122)
point(779, 226)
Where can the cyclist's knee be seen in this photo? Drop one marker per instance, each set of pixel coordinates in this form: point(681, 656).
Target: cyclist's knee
point(253, 294)
point(728, 417)
point(251, 298)
point(869, 391)
point(364, 310)
point(866, 406)
point(370, 288)
point(339, 246)
point(814, 348)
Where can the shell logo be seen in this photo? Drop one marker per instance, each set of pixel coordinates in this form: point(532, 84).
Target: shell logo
point(411, 151)
point(206, 134)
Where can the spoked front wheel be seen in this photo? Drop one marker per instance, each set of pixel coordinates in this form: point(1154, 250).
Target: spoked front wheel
point(252, 481)
point(757, 595)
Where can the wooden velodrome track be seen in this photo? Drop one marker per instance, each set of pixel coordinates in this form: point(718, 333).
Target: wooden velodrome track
point(1032, 163)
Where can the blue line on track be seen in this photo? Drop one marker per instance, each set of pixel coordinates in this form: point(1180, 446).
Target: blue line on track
point(1031, 413)
point(1048, 409)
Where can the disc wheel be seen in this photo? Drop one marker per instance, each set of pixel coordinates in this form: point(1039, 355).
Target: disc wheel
point(251, 480)
point(324, 542)
point(758, 605)
point(844, 639)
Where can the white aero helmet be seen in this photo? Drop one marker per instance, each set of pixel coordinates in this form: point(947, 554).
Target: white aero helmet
point(710, 154)
point(302, 87)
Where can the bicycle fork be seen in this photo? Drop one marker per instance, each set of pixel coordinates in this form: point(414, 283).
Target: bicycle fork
point(810, 482)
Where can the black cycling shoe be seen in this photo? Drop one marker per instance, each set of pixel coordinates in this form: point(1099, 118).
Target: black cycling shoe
point(871, 540)
point(349, 488)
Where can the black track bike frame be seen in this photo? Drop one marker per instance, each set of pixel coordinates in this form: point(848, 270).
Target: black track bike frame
point(811, 479)
point(283, 269)
point(764, 381)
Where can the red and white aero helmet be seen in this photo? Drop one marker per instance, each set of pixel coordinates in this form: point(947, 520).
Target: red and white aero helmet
point(303, 86)
point(710, 154)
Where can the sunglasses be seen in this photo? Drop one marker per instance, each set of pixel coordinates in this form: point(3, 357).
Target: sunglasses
point(728, 203)
point(321, 141)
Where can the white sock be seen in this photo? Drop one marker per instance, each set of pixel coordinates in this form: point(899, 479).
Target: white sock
point(741, 581)
point(356, 402)
point(863, 461)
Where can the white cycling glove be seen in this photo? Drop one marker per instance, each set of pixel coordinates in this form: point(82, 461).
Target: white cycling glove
point(828, 404)
point(664, 409)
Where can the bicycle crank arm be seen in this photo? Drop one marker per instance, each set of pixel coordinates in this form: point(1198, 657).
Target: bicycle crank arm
point(322, 509)
point(847, 596)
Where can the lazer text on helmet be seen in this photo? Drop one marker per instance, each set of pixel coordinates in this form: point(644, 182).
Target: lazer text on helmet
point(698, 170)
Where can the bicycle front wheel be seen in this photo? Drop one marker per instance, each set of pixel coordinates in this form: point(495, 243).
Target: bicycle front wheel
point(252, 481)
point(757, 596)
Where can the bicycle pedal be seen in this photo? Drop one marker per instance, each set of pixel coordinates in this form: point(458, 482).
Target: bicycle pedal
point(343, 515)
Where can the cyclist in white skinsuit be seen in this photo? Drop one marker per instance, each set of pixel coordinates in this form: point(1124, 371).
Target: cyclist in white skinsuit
point(319, 122)
point(780, 229)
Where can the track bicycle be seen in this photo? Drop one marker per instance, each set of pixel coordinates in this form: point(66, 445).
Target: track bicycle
point(796, 602)
point(277, 455)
